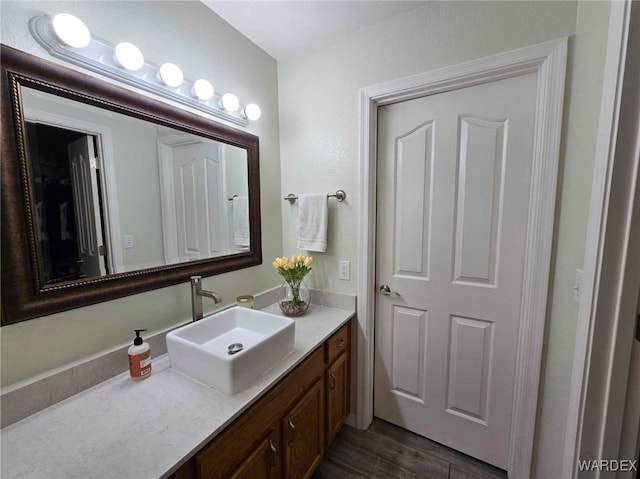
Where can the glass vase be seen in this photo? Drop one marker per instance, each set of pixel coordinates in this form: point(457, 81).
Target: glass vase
point(294, 298)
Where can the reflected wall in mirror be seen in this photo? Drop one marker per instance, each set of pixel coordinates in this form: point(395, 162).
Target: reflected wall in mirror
point(107, 193)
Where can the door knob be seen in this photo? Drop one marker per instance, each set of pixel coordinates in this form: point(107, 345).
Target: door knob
point(386, 290)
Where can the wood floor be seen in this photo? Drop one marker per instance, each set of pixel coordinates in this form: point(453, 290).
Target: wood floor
point(386, 451)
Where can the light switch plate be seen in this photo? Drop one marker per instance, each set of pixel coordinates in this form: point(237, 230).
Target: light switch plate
point(344, 270)
point(129, 241)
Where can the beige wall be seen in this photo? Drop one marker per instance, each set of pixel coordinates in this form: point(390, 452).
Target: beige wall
point(318, 92)
point(193, 37)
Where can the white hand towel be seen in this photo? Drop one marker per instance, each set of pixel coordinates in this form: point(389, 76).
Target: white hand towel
point(240, 205)
point(312, 216)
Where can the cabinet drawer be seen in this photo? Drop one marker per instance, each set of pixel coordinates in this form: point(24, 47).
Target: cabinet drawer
point(337, 344)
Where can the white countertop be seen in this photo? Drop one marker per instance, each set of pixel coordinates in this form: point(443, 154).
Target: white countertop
point(143, 429)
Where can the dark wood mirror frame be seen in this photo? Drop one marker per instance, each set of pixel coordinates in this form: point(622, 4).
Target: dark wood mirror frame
point(23, 295)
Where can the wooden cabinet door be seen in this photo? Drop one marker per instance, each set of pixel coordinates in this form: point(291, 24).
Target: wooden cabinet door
point(303, 434)
point(242, 455)
point(337, 385)
point(262, 463)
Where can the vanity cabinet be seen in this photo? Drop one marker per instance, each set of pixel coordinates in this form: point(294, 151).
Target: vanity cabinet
point(285, 433)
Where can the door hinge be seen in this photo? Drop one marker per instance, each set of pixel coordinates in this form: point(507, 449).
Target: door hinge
point(102, 251)
point(94, 163)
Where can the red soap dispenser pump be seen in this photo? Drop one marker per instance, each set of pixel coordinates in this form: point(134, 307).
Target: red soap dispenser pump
point(139, 358)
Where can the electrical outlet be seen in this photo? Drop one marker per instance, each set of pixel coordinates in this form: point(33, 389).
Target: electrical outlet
point(577, 286)
point(344, 270)
point(129, 242)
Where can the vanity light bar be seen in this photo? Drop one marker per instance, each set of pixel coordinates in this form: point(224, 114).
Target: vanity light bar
point(100, 56)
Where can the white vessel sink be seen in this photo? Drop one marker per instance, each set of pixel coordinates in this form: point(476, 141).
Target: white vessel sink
point(201, 349)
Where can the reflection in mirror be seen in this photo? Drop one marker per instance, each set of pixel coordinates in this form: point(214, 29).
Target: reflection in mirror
point(114, 193)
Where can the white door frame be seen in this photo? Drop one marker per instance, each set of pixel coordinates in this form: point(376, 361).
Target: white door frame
point(609, 294)
point(547, 60)
point(107, 176)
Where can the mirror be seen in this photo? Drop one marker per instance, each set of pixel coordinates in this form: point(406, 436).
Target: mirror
point(107, 193)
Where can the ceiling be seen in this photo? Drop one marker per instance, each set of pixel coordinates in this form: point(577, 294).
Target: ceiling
point(282, 28)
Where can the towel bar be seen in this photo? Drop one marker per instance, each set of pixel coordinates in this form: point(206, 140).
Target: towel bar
point(231, 199)
point(340, 195)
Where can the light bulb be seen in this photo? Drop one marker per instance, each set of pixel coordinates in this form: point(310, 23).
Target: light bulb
point(230, 102)
point(171, 75)
point(129, 56)
point(71, 31)
point(251, 112)
point(202, 89)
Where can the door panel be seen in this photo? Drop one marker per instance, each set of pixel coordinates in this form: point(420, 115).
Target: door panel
point(479, 201)
point(409, 333)
point(199, 193)
point(454, 172)
point(413, 181)
point(470, 352)
point(188, 206)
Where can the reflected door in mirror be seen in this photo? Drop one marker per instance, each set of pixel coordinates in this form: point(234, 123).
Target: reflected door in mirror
point(198, 179)
point(86, 206)
point(67, 203)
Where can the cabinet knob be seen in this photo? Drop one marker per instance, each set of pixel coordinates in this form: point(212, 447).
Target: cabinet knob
point(340, 343)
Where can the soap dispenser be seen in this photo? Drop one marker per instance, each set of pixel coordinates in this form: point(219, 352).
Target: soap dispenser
point(139, 358)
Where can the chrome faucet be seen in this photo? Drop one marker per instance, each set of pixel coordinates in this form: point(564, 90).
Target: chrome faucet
point(196, 297)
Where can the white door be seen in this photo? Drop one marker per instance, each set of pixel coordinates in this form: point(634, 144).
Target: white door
point(199, 199)
point(84, 183)
point(454, 172)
